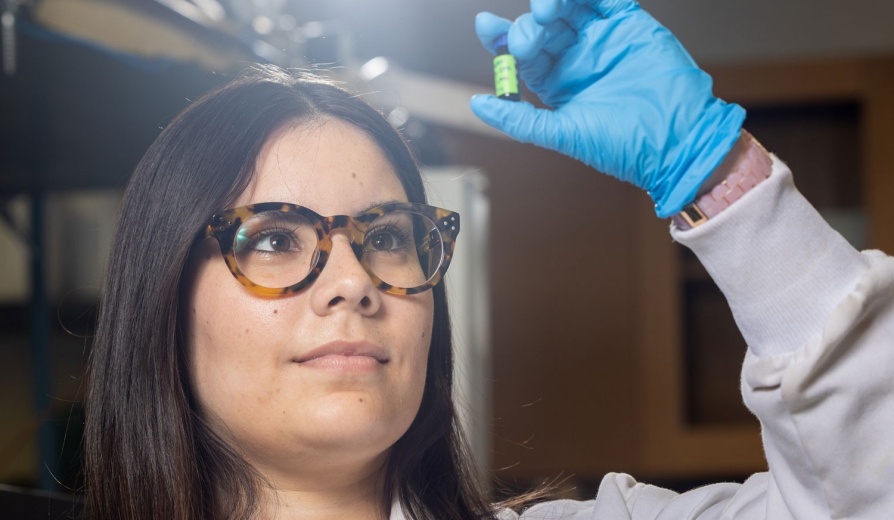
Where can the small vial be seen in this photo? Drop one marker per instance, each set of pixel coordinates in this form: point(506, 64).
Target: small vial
point(505, 72)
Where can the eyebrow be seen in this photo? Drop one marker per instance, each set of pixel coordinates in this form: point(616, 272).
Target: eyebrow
point(376, 205)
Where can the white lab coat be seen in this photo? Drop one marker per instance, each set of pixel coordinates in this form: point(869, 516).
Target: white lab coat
point(818, 318)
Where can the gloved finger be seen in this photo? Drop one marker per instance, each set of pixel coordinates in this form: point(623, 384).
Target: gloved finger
point(537, 49)
point(578, 16)
point(527, 38)
point(608, 8)
point(546, 11)
point(579, 13)
point(534, 73)
point(575, 14)
point(520, 120)
point(488, 27)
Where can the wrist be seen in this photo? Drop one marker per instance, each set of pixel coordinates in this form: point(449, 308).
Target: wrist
point(695, 157)
point(746, 166)
point(729, 164)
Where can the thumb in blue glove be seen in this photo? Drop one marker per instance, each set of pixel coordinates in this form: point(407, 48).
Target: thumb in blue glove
point(624, 95)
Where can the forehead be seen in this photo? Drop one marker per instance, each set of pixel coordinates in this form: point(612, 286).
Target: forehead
point(329, 166)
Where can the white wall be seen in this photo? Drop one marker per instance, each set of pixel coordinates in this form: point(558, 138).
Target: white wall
point(748, 30)
point(461, 189)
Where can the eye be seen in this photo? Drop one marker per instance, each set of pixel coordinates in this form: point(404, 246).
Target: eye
point(382, 242)
point(270, 241)
point(385, 239)
point(275, 241)
point(273, 232)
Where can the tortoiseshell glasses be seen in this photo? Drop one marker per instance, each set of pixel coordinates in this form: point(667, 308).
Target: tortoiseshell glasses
point(276, 248)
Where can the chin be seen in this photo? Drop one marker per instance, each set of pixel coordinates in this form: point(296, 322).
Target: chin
point(357, 420)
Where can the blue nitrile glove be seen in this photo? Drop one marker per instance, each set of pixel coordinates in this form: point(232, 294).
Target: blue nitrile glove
point(626, 97)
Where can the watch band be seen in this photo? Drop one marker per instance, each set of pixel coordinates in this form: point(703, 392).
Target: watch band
point(751, 170)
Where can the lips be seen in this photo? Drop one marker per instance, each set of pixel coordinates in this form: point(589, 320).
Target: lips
point(345, 349)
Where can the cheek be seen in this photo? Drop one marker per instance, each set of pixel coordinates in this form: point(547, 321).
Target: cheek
point(421, 348)
point(418, 342)
point(220, 324)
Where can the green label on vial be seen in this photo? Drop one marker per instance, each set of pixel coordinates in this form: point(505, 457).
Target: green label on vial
point(505, 75)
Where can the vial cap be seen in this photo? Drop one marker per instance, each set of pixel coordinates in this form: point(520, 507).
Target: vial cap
point(501, 41)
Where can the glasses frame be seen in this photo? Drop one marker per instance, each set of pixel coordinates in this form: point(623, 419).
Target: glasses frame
point(223, 227)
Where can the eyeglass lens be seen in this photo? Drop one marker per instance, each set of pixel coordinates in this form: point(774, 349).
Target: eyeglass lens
point(279, 249)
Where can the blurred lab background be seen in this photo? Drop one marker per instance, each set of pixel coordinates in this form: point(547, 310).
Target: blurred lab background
point(588, 341)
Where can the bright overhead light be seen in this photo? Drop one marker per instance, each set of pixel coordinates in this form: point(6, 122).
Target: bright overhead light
point(373, 68)
point(262, 24)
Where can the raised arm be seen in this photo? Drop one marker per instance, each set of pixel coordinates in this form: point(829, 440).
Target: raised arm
point(624, 97)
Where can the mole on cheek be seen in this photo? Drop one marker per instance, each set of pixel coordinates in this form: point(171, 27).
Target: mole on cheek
point(353, 175)
point(275, 311)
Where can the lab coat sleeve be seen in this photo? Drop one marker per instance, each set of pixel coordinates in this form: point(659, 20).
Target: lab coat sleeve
point(818, 318)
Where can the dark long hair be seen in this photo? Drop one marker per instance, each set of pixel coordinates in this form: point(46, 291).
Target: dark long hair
point(148, 453)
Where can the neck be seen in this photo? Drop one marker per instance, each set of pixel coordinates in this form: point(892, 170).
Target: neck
point(334, 492)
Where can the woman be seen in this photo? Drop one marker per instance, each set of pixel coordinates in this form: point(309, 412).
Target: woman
point(185, 355)
point(239, 373)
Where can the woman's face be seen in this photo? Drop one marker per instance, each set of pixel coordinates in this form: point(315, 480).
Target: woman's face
point(331, 376)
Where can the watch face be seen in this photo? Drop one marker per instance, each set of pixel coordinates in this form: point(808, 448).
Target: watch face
point(692, 216)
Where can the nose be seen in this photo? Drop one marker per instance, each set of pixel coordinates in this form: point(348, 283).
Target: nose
point(344, 284)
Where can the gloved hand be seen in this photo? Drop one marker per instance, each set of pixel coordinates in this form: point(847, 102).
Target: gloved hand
point(625, 96)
